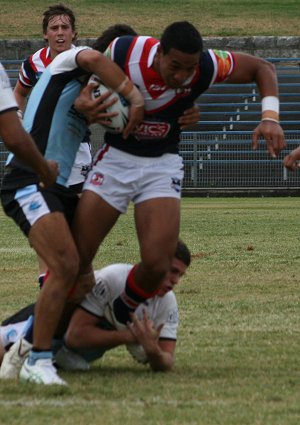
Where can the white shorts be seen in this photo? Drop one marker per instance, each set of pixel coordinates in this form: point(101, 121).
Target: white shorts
point(119, 177)
point(81, 166)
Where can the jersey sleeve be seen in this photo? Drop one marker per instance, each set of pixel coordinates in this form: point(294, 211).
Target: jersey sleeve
point(118, 49)
point(27, 74)
point(110, 282)
point(168, 314)
point(223, 64)
point(96, 300)
point(7, 98)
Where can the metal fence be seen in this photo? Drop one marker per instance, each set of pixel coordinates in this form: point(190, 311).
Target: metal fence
point(217, 154)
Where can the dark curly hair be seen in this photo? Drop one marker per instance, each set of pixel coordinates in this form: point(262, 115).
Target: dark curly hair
point(183, 36)
point(57, 10)
point(110, 34)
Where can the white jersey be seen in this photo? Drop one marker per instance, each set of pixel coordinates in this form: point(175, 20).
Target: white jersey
point(110, 283)
point(7, 98)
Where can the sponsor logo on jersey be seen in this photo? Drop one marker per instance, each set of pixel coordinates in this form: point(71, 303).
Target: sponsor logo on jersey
point(183, 91)
point(97, 179)
point(152, 130)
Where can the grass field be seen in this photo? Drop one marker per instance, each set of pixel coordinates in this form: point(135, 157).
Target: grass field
point(211, 17)
point(237, 359)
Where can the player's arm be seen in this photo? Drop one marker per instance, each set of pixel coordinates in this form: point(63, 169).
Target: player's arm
point(249, 69)
point(84, 332)
point(159, 352)
point(112, 75)
point(18, 141)
point(21, 93)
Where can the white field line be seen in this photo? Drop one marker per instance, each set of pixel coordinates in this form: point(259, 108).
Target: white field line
point(23, 402)
point(16, 250)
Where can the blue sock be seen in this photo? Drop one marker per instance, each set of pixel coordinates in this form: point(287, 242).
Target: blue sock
point(37, 355)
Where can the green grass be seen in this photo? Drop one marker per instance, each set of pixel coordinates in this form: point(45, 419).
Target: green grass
point(211, 17)
point(237, 359)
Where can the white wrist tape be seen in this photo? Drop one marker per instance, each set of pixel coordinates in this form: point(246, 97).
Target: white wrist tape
point(20, 114)
point(122, 85)
point(270, 103)
point(270, 108)
point(128, 90)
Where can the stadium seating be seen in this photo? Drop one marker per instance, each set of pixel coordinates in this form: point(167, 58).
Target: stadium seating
point(217, 152)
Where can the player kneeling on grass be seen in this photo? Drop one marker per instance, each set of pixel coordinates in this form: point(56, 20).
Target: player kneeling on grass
point(150, 337)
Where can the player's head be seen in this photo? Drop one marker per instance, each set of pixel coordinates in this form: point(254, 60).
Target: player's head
point(182, 253)
point(178, 54)
point(179, 265)
point(59, 28)
point(182, 36)
point(110, 34)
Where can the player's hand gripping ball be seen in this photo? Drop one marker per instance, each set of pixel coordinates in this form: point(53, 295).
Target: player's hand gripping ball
point(118, 122)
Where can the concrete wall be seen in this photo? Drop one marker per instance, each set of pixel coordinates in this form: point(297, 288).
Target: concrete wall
point(257, 45)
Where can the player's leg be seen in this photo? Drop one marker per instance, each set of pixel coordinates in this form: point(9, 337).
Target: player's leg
point(101, 203)
point(93, 220)
point(52, 240)
point(157, 224)
point(20, 315)
point(157, 218)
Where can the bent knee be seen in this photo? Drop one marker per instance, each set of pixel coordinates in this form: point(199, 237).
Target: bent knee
point(65, 265)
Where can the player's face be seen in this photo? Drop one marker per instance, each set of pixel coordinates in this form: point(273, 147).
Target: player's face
point(177, 270)
point(176, 67)
point(59, 34)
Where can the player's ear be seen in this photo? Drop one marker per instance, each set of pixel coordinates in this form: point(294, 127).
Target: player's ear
point(75, 33)
point(159, 51)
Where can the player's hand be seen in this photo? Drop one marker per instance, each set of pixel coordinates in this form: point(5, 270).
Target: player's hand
point(50, 173)
point(94, 109)
point(144, 331)
point(136, 115)
point(273, 135)
point(291, 161)
point(190, 117)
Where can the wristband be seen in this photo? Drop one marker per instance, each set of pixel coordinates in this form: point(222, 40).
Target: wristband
point(270, 108)
point(270, 119)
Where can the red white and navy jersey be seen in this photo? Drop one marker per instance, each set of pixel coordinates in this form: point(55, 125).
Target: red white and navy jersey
point(33, 67)
point(7, 98)
point(160, 132)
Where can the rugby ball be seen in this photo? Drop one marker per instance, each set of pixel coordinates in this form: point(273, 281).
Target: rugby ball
point(118, 123)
